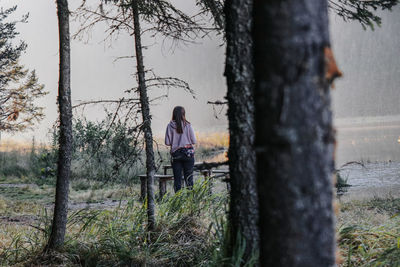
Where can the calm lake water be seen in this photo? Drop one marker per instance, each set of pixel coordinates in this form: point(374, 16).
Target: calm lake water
point(368, 143)
point(373, 178)
point(377, 146)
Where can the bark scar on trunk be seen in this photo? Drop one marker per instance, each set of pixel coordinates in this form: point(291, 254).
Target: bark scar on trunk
point(331, 69)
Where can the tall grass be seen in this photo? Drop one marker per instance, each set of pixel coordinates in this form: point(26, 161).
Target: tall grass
point(189, 225)
point(213, 140)
point(117, 159)
point(369, 233)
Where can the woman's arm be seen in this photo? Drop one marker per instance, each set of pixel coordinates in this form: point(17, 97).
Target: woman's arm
point(168, 136)
point(192, 135)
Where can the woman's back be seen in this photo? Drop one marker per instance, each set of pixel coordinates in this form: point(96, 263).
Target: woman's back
point(177, 140)
point(180, 136)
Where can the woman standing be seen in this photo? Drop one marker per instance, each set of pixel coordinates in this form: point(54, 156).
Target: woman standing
point(180, 136)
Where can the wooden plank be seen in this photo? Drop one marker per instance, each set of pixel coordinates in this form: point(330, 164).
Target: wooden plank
point(219, 176)
point(220, 171)
point(160, 176)
point(162, 184)
point(201, 165)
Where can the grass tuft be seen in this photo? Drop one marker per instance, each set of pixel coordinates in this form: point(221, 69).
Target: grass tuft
point(369, 232)
point(184, 236)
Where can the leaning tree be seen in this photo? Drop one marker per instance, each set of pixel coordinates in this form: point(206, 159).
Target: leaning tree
point(19, 88)
point(161, 18)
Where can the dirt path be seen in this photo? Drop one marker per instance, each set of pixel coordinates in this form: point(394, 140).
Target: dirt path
point(19, 219)
point(73, 206)
point(18, 185)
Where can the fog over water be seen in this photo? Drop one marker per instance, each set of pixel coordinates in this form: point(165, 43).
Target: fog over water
point(365, 101)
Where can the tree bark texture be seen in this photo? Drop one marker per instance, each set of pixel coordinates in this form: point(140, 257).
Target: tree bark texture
point(58, 229)
point(294, 134)
point(243, 215)
point(145, 108)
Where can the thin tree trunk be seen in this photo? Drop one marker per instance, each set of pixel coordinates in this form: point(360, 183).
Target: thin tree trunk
point(243, 214)
point(145, 108)
point(294, 134)
point(58, 229)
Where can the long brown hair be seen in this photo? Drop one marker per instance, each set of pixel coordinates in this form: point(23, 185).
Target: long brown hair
point(178, 115)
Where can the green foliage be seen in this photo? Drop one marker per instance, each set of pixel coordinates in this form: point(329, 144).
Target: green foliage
point(187, 234)
point(222, 256)
point(341, 184)
point(362, 11)
point(23, 193)
point(27, 242)
point(12, 165)
point(19, 88)
point(366, 243)
point(371, 246)
point(216, 9)
point(390, 205)
point(161, 18)
point(107, 151)
point(37, 166)
point(17, 164)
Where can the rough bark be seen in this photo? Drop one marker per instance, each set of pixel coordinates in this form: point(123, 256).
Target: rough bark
point(243, 215)
point(145, 108)
point(294, 134)
point(58, 229)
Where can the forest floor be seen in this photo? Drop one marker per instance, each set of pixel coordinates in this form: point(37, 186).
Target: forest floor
point(186, 224)
point(369, 231)
point(368, 222)
point(21, 203)
point(107, 221)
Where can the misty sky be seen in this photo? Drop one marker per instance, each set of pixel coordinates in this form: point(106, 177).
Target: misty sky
point(369, 60)
point(371, 66)
point(96, 74)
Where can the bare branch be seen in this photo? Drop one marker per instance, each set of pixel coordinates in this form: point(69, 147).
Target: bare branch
point(109, 101)
point(218, 102)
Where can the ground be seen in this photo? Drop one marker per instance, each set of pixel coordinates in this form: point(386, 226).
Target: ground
point(105, 218)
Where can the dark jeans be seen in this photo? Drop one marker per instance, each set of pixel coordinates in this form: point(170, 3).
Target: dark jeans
point(182, 163)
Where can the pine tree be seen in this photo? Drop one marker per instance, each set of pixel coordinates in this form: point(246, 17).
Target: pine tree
point(239, 72)
point(161, 18)
point(294, 133)
point(19, 87)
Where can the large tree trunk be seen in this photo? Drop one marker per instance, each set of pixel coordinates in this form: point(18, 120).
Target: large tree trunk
point(294, 134)
point(243, 215)
point(65, 141)
point(145, 108)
